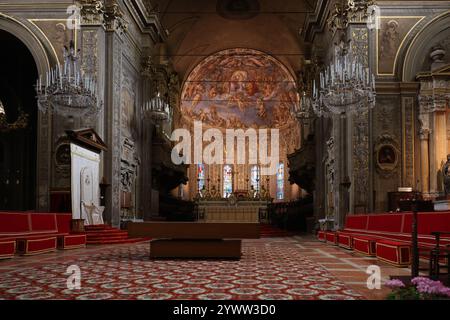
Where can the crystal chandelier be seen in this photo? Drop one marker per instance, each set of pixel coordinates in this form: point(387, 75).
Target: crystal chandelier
point(157, 109)
point(346, 86)
point(303, 109)
point(67, 90)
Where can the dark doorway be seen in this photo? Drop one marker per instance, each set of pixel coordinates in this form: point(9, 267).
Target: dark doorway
point(18, 74)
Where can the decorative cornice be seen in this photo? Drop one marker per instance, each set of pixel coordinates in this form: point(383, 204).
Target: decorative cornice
point(347, 11)
point(397, 88)
point(92, 12)
point(315, 21)
point(114, 18)
point(147, 19)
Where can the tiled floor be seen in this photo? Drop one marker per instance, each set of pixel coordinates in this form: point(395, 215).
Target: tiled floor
point(343, 269)
point(349, 266)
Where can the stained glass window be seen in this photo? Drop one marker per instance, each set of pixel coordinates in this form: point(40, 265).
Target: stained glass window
point(255, 178)
point(280, 181)
point(227, 180)
point(200, 176)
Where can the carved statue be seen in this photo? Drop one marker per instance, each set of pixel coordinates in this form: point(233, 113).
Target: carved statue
point(446, 175)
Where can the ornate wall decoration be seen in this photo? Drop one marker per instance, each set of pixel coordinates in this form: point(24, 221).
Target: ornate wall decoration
point(384, 116)
point(62, 165)
point(390, 37)
point(92, 11)
point(114, 18)
point(128, 96)
point(89, 62)
point(360, 139)
point(387, 155)
point(89, 46)
point(408, 141)
point(330, 162)
point(115, 127)
point(348, 11)
point(239, 88)
point(128, 165)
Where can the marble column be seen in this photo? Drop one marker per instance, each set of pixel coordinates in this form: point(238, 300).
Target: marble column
point(440, 150)
point(425, 164)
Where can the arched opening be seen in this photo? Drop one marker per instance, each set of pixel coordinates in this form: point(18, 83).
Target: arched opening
point(244, 90)
point(18, 144)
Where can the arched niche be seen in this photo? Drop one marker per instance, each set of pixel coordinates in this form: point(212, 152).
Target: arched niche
point(43, 55)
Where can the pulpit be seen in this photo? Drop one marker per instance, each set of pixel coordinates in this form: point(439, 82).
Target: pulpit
point(85, 149)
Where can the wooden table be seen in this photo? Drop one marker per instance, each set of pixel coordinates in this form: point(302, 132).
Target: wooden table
point(195, 239)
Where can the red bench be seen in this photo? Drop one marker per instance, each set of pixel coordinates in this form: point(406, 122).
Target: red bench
point(33, 233)
point(388, 235)
point(321, 235)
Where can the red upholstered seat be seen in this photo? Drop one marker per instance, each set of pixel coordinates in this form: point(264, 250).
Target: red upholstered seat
point(388, 235)
point(321, 235)
point(36, 245)
point(330, 237)
point(364, 244)
point(33, 233)
point(69, 241)
point(344, 240)
point(394, 252)
point(14, 223)
point(7, 248)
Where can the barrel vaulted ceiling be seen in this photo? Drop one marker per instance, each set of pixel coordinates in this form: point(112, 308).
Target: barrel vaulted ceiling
point(197, 29)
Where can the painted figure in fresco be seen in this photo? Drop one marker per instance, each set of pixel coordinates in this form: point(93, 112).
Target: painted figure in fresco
point(261, 109)
point(390, 40)
point(239, 88)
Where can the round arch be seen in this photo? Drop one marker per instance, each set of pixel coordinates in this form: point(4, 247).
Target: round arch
point(239, 88)
point(417, 53)
point(41, 51)
point(39, 47)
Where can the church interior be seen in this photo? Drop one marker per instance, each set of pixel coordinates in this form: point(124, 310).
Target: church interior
point(224, 150)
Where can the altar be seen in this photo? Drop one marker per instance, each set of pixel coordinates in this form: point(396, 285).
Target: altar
point(235, 208)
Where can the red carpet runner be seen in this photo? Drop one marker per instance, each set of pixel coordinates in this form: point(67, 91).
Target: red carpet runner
point(104, 234)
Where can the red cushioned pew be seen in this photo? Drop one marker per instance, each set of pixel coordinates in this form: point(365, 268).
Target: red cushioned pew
point(33, 233)
point(388, 235)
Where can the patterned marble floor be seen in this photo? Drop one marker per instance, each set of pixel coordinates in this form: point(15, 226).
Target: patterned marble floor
point(271, 268)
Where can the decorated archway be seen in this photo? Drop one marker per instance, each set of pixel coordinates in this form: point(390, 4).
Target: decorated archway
point(240, 89)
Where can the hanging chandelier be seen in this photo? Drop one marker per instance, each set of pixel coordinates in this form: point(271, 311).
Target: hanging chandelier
point(303, 109)
point(347, 86)
point(157, 109)
point(67, 90)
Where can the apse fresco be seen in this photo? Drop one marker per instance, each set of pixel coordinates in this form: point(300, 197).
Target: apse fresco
point(239, 88)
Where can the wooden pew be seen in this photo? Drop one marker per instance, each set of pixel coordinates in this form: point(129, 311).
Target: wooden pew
point(195, 239)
